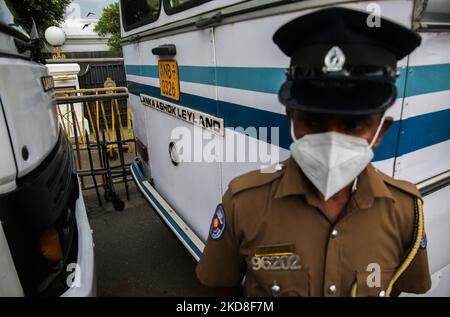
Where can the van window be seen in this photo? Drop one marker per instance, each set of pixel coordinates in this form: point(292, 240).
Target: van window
point(136, 13)
point(174, 6)
point(7, 18)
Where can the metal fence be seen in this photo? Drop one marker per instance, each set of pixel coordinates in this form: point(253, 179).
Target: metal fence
point(96, 68)
point(93, 75)
point(101, 145)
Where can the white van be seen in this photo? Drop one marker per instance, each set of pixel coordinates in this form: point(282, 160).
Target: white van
point(46, 246)
point(215, 61)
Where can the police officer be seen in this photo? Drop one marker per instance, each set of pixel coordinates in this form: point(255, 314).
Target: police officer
point(326, 222)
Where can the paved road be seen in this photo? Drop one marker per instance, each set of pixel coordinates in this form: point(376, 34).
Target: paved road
point(135, 253)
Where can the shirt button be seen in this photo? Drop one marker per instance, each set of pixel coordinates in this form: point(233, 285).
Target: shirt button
point(382, 294)
point(275, 288)
point(332, 289)
point(334, 233)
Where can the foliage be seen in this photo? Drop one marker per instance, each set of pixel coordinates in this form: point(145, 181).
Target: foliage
point(109, 23)
point(44, 12)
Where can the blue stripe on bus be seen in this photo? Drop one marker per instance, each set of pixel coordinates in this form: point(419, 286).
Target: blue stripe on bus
point(421, 79)
point(427, 79)
point(424, 130)
point(196, 74)
point(144, 71)
point(140, 179)
point(417, 132)
point(266, 80)
point(246, 78)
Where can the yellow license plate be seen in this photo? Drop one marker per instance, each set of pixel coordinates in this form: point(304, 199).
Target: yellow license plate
point(169, 80)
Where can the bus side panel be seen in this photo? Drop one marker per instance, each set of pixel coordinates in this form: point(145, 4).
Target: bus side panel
point(437, 222)
point(424, 142)
point(424, 145)
point(131, 60)
point(192, 189)
point(165, 19)
point(250, 70)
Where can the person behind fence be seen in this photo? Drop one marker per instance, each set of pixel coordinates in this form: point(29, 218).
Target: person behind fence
point(327, 223)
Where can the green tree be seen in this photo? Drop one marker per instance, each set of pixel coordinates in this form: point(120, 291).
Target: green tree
point(44, 12)
point(109, 23)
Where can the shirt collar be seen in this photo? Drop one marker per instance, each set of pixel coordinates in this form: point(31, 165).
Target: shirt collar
point(370, 185)
point(294, 182)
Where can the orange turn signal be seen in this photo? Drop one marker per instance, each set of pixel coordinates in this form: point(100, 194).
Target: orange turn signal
point(50, 246)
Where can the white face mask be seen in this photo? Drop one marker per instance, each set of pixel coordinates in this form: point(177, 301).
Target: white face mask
point(332, 160)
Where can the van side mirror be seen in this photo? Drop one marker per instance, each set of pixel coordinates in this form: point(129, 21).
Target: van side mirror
point(34, 35)
point(34, 45)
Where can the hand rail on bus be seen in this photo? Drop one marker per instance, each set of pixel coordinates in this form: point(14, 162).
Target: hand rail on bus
point(434, 183)
point(237, 12)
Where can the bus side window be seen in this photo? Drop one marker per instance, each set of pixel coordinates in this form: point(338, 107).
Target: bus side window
point(139, 12)
point(174, 6)
point(432, 15)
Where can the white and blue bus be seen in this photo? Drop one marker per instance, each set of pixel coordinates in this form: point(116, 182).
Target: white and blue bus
point(212, 66)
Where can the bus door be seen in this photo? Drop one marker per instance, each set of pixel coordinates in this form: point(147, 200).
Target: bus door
point(424, 136)
point(250, 71)
point(173, 93)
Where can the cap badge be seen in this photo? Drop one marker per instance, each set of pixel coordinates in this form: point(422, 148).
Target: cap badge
point(334, 60)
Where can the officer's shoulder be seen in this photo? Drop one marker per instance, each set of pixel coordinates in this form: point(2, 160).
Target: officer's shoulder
point(400, 186)
point(256, 178)
point(405, 195)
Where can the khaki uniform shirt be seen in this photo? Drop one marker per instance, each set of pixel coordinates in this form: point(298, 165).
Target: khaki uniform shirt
point(278, 241)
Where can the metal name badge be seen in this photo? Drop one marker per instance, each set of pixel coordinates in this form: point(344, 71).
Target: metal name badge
point(276, 263)
point(334, 60)
point(48, 83)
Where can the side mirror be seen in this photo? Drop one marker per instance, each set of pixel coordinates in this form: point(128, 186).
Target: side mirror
point(34, 35)
point(34, 45)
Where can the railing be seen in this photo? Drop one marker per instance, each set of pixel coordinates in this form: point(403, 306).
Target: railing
point(83, 114)
point(93, 103)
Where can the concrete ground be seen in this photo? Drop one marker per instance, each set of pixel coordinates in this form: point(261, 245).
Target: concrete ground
point(135, 253)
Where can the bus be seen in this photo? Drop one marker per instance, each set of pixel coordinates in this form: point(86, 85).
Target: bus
point(203, 78)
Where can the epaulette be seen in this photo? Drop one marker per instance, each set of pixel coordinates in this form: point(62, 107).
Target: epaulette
point(405, 186)
point(255, 178)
